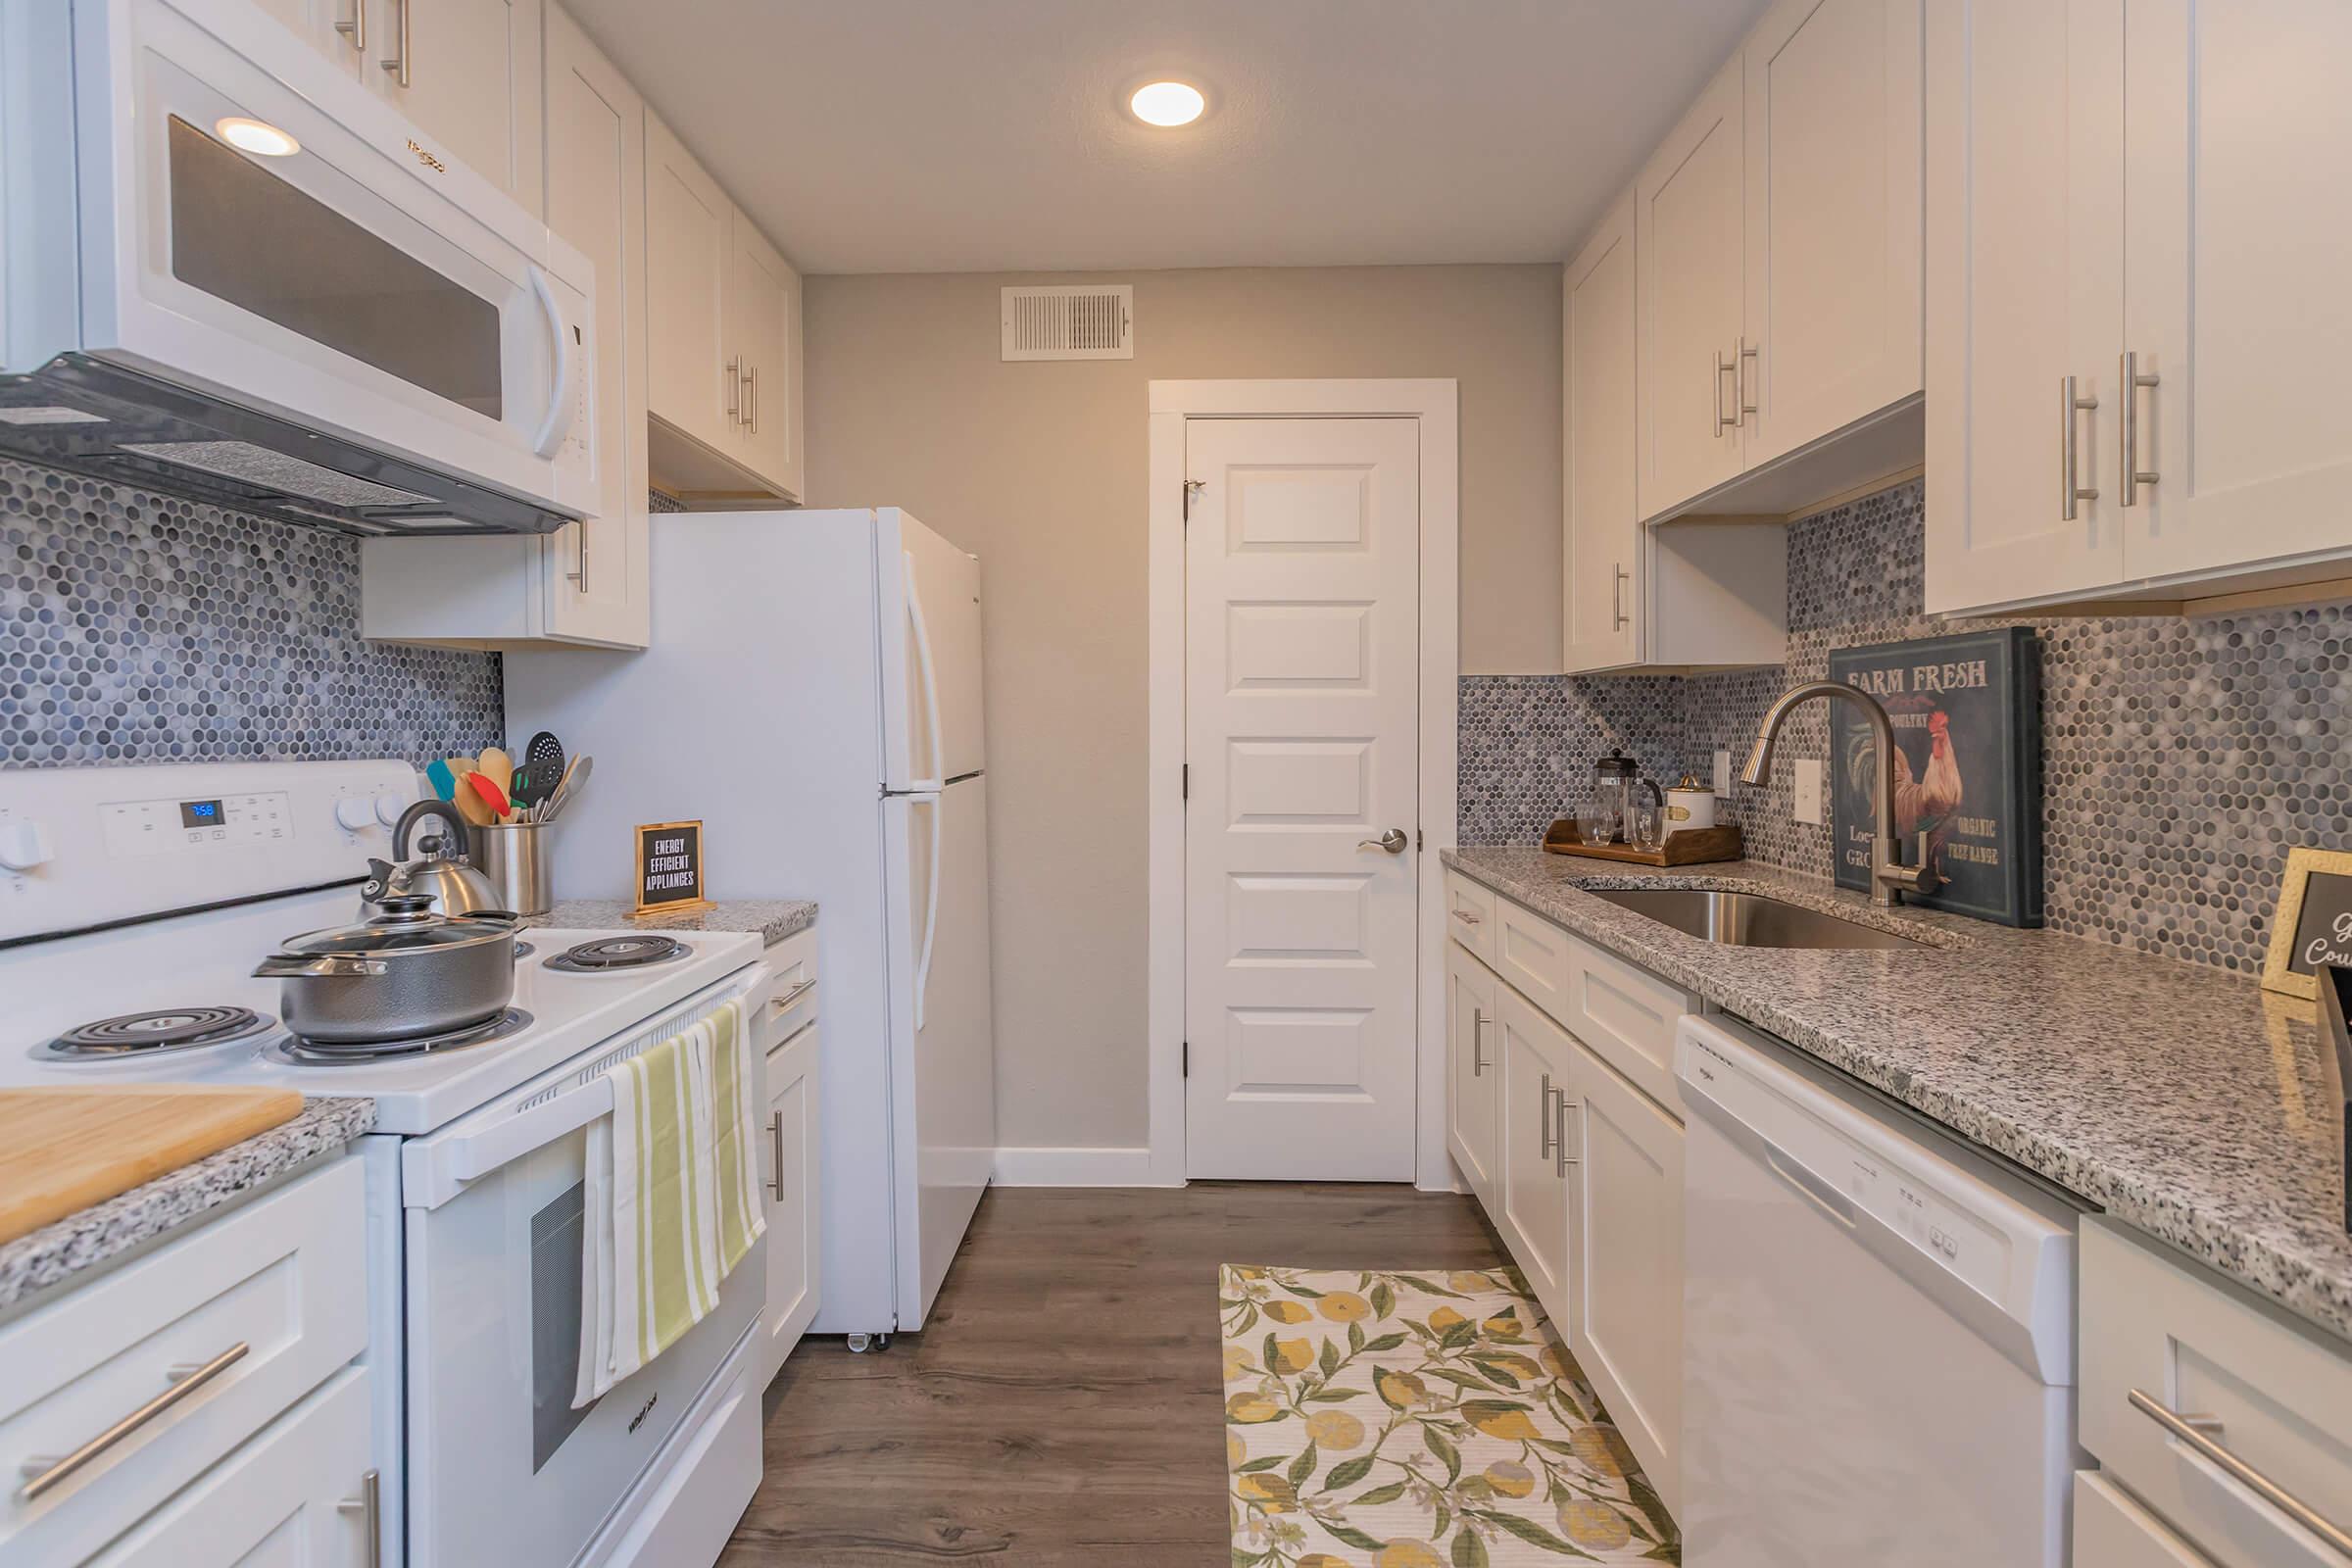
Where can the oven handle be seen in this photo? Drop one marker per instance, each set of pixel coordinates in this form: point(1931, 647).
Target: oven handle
point(436, 1169)
point(557, 423)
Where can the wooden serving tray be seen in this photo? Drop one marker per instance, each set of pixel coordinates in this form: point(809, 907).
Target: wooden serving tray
point(1689, 846)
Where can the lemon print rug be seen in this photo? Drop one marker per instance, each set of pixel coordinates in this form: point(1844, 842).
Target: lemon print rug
point(1424, 1420)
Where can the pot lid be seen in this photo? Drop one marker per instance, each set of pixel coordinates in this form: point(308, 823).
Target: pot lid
point(1691, 786)
point(406, 924)
point(1615, 765)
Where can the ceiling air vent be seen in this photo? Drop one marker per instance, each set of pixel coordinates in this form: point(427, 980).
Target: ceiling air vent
point(1095, 322)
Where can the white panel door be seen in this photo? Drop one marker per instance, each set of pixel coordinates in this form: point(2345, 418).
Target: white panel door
point(597, 580)
point(2025, 288)
point(689, 236)
point(2238, 157)
point(1302, 582)
point(1833, 229)
point(1687, 219)
point(1602, 518)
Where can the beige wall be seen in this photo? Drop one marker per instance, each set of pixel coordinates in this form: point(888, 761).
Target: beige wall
point(1041, 470)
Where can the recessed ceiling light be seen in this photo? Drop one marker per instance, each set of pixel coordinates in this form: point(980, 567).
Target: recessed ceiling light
point(1167, 103)
point(256, 137)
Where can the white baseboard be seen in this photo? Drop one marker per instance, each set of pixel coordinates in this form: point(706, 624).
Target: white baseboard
point(1074, 1167)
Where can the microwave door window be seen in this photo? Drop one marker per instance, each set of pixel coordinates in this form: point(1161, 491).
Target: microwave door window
point(245, 236)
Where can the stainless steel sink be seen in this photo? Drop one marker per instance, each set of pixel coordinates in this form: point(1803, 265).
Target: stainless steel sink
point(1744, 920)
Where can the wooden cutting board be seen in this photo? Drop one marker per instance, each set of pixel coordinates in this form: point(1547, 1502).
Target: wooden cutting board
point(63, 1150)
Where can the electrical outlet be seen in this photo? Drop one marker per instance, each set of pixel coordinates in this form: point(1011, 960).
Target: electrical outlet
point(1808, 789)
point(1723, 773)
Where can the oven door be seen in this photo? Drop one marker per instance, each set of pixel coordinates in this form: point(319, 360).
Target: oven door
point(364, 282)
point(501, 1469)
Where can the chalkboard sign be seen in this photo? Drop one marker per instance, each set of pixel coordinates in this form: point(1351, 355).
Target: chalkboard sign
point(669, 867)
point(1967, 717)
point(2315, 922)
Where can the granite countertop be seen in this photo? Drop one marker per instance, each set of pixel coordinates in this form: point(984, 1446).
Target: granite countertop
point(773, 918)
point(103, 1232)
point(2185, 1100)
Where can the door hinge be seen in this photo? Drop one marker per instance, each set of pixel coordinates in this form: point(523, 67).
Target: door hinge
point(1188, 1058)
point(1420, 841)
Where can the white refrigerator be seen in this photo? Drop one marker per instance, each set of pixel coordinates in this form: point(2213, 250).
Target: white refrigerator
point(811, 696)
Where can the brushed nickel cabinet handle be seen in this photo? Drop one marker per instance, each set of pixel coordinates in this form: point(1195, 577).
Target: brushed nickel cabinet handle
point(790, 999)
point(578, 575)
point(1548, 1126)
point(2130, 382)
point(1740, 392)
point(2197, 1433)
point(48, 1474)
point(398, 67)
point(1464, 916)
point(1723, 421)
point(369, 1506)
point(734, 375)
point(356, 29)
point(1559, 1139)
point(776, 1149)
point(1478, 1043)
point(1619, 577)
point(2070, 489)
point(751, 398)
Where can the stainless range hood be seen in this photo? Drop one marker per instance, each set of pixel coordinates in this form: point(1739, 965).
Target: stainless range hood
point(84, 414)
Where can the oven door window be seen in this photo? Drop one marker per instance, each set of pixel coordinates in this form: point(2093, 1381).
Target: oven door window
point(556, 1308)
point(247, 237)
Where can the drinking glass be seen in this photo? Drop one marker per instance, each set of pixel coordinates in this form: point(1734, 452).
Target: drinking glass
point(1645, 827)
point(1597, 821)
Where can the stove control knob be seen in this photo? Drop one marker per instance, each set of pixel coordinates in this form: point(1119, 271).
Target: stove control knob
point(25, 845)
point(354, 812)
point(389, 807)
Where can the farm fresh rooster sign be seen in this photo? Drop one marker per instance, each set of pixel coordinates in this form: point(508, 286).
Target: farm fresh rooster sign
point(1967, 767)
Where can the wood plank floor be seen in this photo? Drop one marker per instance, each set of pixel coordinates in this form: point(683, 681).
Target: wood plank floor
point(1063, 1406)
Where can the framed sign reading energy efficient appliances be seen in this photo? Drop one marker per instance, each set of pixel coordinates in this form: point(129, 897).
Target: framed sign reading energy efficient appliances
point(2314, 925)
point(668, 867)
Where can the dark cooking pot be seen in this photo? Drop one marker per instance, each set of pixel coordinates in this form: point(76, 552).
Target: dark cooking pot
point(405, 974)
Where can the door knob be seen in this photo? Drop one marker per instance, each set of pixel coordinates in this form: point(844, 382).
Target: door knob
point(1392, 841)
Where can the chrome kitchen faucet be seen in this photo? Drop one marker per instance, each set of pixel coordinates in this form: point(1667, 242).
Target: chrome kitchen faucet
point(1888, 875)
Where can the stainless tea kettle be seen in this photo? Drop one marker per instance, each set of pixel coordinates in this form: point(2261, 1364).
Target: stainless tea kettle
point(442, 875)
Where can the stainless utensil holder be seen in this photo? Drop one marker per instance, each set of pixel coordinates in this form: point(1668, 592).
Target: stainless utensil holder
point(513, 856)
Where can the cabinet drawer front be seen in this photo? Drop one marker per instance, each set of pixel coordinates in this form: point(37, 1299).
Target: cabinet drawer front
point(1626, 1016)
point(2113, 1530)
point(792, 1000)
point(1531, 954)
point(295, 1494)
point(2281, 1394)
point(1470, 915)
point(284, 1277)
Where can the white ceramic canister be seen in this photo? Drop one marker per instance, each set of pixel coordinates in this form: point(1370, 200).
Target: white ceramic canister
point(1689, 804)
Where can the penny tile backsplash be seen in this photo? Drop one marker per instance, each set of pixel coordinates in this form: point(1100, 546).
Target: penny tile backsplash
point(2183, 758)
point(136, 628)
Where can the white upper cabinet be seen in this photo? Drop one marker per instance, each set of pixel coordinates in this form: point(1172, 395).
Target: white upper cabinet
point(468, 73)
point(1602, 543)
point(1688, 207)
point(726, 311)
point(2139, 201)
point(2024, 281)
point(1832, 237)
point(331, 26)
point(2238, 159)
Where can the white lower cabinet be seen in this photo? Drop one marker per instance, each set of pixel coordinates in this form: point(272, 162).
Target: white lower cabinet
point(1561, 1113)
point(2113, 1530)
point(1626, 1227)
point(1533, 1215)
point(301, 1494)
point(1473, 1074)
point(789, 1168)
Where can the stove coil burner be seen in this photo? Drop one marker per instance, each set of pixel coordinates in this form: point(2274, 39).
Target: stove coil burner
point(327, 1052)
point(605, 955)
point(146, 1034)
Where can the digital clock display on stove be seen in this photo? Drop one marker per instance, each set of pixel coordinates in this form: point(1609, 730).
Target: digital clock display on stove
point(200, 814)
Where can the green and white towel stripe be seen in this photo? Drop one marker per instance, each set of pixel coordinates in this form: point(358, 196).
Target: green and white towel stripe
point(672, 1198)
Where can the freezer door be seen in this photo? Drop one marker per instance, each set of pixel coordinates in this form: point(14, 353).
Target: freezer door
point(942, 1062)
point(932, 724)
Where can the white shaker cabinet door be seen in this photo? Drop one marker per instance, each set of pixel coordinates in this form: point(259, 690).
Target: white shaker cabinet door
point(468, 73)
point(695, 385)
point(1473, 1072)
point(1832, 229)
point(2238, 157)
point(1537, 1058)
point(1602, 517)
point(2024, 277)
point(1687, 219)
point(333, 27)
point(789, 1168)
point(763, 324)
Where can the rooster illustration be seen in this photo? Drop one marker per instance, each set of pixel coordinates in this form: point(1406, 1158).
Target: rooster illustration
point(1926, 801)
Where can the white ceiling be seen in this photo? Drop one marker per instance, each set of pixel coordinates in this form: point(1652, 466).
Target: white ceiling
point(974, 135)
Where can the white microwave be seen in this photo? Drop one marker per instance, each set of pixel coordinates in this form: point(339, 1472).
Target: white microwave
point(230, 272)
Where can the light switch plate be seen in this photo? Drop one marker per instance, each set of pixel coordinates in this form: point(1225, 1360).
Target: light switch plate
point(1723, 773)
point(1808, 789)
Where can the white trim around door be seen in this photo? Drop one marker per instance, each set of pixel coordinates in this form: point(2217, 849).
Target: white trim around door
point(1435, 405)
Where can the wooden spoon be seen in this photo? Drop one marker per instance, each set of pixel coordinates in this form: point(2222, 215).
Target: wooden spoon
point(499, 767)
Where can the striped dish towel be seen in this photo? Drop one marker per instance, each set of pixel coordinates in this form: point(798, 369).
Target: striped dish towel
point(672, 1195)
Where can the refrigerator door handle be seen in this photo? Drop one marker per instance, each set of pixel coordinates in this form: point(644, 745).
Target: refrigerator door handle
point(923, 964)
point(922, 655)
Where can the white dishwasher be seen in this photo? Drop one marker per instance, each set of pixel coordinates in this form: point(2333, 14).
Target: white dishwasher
point(1879, 1339)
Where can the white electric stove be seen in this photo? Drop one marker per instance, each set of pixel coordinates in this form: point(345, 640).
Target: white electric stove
point(134, 904)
